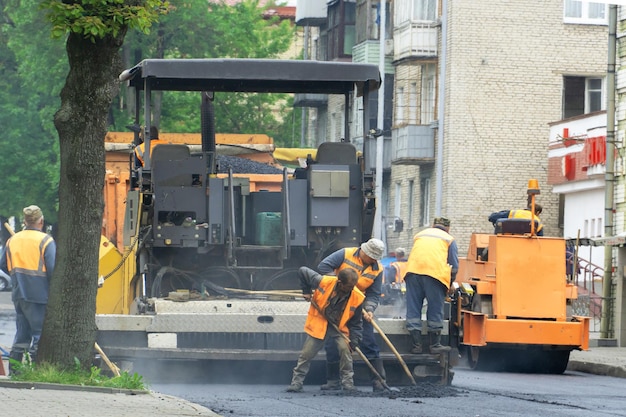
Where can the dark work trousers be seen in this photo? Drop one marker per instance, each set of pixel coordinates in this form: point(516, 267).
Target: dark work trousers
point(418, 288)
point(368, 345)
point(28, 325)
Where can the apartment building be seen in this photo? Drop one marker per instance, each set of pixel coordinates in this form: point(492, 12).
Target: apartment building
point(474, 87)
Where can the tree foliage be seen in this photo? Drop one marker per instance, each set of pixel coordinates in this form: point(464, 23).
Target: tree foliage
point(193, 30)
point(31, 72)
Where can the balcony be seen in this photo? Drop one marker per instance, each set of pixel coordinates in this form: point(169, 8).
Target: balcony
point(415, 40)
point(310, 100)
point(413, 145)
point(311, 12)
point(368, 52)
point(370, 152)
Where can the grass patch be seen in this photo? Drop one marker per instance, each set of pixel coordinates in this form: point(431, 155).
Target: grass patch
point(45, 372)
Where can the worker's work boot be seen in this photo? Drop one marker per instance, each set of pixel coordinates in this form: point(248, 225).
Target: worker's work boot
point(416, 340)
point(377, 384)
point(294, 387)
point(348, 386)
point(17, 357)
point(435, 343)
point(332, 377)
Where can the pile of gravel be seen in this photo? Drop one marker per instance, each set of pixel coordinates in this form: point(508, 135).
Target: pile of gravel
point(243, 166)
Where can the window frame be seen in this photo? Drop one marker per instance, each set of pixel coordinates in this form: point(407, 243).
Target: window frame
point(584, 18)
point(338, 25)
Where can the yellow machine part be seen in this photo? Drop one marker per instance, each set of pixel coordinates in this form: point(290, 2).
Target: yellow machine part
point(113, 294)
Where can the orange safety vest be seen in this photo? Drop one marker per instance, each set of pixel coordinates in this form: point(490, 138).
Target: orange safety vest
point(20, 256)
point(367, 273)
point(316, 324)
point(139, 150)
point(525, 214)
point(429, 255)
point(401, 268)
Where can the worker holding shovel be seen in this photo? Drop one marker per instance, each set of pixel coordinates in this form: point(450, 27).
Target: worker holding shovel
point(335, 315)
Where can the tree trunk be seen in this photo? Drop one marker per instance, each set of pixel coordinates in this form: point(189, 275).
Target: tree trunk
point(69, 330)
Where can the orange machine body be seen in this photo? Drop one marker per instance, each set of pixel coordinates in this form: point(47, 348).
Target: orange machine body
point(521, 293)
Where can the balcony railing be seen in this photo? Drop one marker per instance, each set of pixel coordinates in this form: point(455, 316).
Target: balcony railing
point(369, 52)
point(415, 40)
point(413, 144)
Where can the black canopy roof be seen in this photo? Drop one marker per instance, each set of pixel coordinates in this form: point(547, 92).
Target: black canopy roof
point(252, 75)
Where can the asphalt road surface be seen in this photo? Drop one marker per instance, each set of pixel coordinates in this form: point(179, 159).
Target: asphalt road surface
point(472, 394)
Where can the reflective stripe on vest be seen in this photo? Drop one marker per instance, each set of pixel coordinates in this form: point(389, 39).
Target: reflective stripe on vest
point(316, 324)
point(429, 255)
point(401, 268)
point(367, 274)
point(20, 255)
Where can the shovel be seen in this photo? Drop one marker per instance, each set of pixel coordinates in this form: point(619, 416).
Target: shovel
point(357, 350)
point(395, 351)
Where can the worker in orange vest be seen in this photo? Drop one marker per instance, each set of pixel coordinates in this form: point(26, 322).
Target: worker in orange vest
point(141, 149)
point(393, 280)
point(334, 300)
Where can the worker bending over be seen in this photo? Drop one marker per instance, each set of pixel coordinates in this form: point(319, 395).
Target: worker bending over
point(335, 305)
point(363, 260)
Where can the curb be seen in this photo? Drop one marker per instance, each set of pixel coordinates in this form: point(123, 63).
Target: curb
point(5, 382)
point(597, 368)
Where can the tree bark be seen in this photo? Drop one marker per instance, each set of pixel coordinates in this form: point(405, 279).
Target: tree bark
point(69, 330)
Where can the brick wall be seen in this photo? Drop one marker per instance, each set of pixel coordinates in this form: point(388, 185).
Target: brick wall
point(505, 67)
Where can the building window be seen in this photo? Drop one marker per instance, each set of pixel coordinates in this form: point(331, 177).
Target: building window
point(585, 12)
point(410, 200)
point(341, 31)
point(415, 10)
point(429, 85)
point(582, 95)
point(424, 199)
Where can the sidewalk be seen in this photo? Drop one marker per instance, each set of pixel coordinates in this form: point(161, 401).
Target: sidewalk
point(610, 361)
point(21, 399)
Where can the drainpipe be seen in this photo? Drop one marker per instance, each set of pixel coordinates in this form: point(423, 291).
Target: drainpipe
point(441, 107)
point(305, 56)
point(609, 176)
point(380, 140)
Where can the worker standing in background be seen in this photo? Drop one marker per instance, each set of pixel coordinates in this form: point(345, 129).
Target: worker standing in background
point(340, 303)
point(432, 267)
point(519, 214)
point(365, 261)
point(141, 149)
point(393, 282)
point(29, 259)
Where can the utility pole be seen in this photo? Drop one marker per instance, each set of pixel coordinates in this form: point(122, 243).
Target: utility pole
point(380, 140)
point(609, 177)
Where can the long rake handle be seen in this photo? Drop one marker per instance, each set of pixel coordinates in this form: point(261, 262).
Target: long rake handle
point(394, 350)
point(356, 348)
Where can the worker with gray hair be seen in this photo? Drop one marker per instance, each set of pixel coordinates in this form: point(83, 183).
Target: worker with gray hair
point(432, 267)
point(365, 261)
point(29, 259)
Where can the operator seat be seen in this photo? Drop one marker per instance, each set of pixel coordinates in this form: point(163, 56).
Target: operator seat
point(167, 173)
point(336, 153)
point(514, 226)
